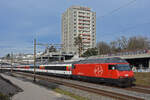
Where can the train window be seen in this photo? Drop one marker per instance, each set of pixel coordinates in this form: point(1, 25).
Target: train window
point(55, 67)
point(123, 67)
point(112, 67)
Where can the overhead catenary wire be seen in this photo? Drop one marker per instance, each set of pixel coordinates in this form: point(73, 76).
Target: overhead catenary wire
point(126, 29)
point(117, 9)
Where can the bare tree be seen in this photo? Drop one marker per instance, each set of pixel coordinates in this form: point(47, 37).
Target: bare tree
point(114, 47)
point(124, 44)
point(139, 42)
point(103, 47)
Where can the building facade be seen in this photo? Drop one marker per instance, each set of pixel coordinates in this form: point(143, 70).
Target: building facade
point(78, 21)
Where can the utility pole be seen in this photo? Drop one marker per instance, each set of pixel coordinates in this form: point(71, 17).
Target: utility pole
point(1, 65)
point(11, 62)
point(34, 60)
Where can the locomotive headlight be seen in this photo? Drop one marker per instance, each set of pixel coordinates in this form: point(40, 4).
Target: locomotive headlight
point(121, 77)
point(126, 75)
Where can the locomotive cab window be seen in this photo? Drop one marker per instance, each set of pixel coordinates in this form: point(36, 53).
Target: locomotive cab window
point(123, 67)
point(111, 67)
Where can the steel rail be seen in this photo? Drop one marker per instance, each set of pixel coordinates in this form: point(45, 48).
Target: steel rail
point(114, 95)
point(138, 89)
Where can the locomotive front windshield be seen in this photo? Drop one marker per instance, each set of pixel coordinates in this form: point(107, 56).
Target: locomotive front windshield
point(123, 67)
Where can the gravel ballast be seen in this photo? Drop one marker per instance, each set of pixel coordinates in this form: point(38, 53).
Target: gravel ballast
point(8, 88)
point(88, 95)
point(32, 91)
point(51, 85)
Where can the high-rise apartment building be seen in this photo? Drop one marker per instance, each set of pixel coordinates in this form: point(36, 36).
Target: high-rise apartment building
point(77, 21)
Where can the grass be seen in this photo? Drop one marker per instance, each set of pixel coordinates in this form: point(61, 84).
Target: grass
point(142, 78)
point(69, 94)
point(3, 97)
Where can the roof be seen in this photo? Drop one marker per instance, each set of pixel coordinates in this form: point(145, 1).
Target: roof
point(102, 60)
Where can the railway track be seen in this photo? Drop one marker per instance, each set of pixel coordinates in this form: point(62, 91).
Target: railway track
point(143, 87)
point(136, 88)
point(117, 96)
point(139, 89)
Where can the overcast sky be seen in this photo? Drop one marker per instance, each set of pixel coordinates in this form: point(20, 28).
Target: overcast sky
point(22, 20)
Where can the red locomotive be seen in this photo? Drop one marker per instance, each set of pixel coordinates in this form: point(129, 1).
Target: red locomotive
point(109, 70)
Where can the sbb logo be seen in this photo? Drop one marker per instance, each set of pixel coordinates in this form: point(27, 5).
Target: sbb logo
point(98, 70)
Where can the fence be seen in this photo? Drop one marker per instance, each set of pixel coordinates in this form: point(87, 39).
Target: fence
point(141, 70)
